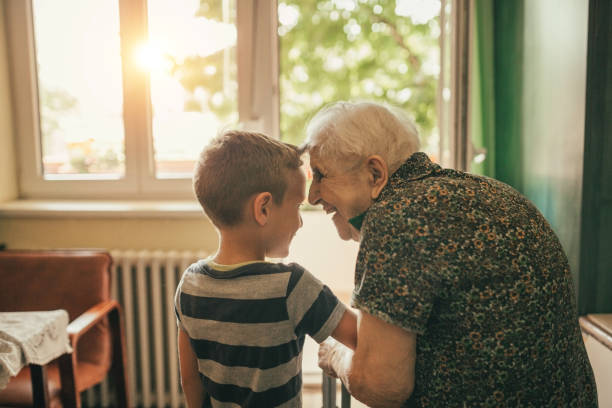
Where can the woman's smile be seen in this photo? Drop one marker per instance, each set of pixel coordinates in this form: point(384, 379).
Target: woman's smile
point(329, 208)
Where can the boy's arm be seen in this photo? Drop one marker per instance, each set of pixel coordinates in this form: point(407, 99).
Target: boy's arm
point(190, 376)
point(346, 331)
point(314, 310)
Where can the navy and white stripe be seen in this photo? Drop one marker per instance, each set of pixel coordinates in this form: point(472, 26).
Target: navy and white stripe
point(247, 327)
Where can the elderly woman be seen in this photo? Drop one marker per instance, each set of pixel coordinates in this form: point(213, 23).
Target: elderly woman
point(464, 292)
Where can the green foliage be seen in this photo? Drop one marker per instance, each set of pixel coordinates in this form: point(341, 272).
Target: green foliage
point(211, 9)
point(365, 53)
point(333, 50)
point(207, 74)
point(84, 157)
point(100, 162)
point(53, 104)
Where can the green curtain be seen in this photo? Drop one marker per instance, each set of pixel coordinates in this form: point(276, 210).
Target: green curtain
point(496, 90)
point(595, 295)
point(525, 67)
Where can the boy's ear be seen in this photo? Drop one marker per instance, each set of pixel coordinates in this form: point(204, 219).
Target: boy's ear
point(261, 208)
point(378, 174)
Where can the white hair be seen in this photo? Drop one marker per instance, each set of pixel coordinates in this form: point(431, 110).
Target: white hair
point(351, 131)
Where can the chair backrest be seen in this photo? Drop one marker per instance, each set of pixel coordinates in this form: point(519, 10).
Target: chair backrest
point(74, 280)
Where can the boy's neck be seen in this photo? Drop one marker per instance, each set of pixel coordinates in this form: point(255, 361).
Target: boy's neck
point(237, 246)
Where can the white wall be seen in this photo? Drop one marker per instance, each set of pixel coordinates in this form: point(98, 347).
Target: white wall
point(318, 248)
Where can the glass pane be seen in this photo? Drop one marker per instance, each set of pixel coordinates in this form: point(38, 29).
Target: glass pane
point(385, 50)
point(80, 90)
point(191, 57)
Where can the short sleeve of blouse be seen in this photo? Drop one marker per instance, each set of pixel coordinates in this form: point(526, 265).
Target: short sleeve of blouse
point(396, 278)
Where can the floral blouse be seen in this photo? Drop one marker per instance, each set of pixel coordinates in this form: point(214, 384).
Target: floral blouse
point(474, 269)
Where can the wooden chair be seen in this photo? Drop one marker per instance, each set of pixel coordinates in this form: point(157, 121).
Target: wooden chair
point(79, 282)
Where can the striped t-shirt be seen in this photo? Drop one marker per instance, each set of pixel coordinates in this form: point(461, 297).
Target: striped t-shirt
point(247, 327)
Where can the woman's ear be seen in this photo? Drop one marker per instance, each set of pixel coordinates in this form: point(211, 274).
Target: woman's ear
point(261, 208)
point(378, 174)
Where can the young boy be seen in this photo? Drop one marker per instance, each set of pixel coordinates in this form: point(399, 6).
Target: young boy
point(242, 320)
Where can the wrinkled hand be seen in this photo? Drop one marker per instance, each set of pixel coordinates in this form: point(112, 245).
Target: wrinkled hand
point(326, 353)
point(345, 230)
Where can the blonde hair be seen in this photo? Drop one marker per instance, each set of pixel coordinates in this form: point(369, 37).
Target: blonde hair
point(237, 164)
point(350, 131)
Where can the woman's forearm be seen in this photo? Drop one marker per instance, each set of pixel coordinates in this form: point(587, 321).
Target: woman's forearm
point(341, 362)
point(364, 381)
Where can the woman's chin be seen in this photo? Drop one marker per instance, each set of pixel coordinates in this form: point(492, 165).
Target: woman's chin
point(342, 226)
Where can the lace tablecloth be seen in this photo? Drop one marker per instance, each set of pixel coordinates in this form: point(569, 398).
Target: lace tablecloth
point(31, 338)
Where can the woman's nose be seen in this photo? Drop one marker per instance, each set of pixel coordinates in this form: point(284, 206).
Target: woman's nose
point(313, 193)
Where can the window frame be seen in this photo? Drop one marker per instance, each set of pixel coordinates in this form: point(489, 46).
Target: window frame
point(257, 102)
point(258, 99)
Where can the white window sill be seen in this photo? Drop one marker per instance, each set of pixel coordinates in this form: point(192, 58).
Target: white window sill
point(100, 209)
point(108, 209)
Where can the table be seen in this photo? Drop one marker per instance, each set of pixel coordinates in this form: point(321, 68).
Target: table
point(34, 338)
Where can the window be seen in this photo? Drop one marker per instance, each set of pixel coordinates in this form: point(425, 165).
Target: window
point(385, 50)
point(122, 110)
point(81, 121)
point(191, 59)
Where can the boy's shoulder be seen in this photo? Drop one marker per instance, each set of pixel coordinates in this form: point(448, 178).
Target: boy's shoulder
point(264, 279)
point(206, 273)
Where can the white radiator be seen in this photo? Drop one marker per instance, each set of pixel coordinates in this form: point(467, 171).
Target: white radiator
point(144, 283)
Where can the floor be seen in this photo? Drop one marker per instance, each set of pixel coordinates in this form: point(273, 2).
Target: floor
point(314, 399)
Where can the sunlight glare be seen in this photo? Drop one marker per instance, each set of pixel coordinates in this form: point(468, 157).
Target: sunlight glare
point(420, 11)
point(150, 57)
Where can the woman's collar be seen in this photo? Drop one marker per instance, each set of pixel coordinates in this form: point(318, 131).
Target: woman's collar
point(417, 166)
point(357, 221)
